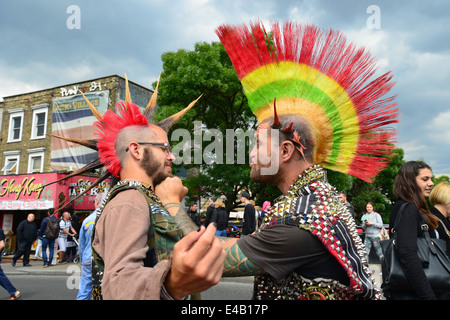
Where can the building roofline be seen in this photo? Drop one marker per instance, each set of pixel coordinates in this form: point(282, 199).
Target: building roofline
point(69, 84)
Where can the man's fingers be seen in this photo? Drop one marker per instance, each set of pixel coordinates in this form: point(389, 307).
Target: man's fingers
point(189, 240)
point(212, 262)
point(202, 245)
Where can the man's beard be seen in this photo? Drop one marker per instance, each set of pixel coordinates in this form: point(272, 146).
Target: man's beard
point(153, 168)
point(256, 176)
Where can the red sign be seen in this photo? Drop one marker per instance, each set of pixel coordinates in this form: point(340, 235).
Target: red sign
point(26, 192)
point(79, 184)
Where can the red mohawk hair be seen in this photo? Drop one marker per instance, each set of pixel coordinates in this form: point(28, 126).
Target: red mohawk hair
point(109, 126)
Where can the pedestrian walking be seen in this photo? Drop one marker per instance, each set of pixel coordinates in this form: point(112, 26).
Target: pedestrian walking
point(26, 235)
point(372, 224)
point(412, 185)
point(48, 232)
point(84, 247)
point(4, 281)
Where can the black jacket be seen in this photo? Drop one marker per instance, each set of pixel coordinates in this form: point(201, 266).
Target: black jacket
point(26, 232)
point(441, 230)
point(408, 231)
point(220, 217)
point(249, 222)
point(194, 217)
point(209, 214)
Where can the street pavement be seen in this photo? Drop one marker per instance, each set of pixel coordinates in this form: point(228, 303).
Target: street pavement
point(227, 284)
point(64, 269)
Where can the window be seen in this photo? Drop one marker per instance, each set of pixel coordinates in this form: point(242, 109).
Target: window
point(15, 125)
point(12, 159)
point(39, 125)
point(36, 160)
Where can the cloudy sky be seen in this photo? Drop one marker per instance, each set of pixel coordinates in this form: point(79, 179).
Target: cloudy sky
point(38, 50)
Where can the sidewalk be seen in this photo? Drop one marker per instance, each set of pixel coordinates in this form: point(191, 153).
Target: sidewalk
point(35, 269)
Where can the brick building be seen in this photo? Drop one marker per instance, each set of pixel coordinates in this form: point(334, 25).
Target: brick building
point(29, 157)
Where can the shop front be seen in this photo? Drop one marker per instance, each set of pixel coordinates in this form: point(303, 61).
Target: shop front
point(21, 195)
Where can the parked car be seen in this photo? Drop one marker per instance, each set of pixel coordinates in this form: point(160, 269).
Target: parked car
point(234, 229)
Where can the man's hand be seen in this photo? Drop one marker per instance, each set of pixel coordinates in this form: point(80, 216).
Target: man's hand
point(171, 190)
point(197, 263)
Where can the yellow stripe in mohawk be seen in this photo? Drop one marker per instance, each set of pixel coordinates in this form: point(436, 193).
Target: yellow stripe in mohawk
point(318, 75)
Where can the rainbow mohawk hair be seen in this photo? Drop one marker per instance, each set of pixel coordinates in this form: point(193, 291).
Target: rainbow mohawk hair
point(108, 127)
point(316, 74)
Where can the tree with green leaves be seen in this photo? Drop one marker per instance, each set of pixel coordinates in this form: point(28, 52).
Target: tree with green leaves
point(380, 191)
point(207, 71)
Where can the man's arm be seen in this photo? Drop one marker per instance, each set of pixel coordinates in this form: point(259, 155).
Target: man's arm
point(181, 217)
point(236, 263)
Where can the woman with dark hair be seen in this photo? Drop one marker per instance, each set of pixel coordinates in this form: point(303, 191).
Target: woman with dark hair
point(412, 184)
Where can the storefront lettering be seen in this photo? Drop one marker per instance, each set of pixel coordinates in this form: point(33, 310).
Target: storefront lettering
point(26, 188)
point(77, 188)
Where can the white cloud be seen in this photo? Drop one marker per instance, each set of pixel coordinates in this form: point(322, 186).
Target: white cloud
point(10, 83)
point(439, 128)
point(306, 12)
point(414, 149)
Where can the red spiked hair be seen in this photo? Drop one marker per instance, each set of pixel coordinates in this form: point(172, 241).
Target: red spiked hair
point(109, 126)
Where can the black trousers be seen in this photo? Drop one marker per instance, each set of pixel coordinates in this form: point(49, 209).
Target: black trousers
point(25, 250)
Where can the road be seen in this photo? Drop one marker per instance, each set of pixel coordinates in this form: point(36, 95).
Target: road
point(41, 287)
point(63, 285)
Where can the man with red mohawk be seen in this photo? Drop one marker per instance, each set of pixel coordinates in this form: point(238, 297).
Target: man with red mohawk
point(144, 245)
point(143, 241)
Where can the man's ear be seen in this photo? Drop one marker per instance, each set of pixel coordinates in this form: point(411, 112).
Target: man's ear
point(287, 151)
point(135, 150)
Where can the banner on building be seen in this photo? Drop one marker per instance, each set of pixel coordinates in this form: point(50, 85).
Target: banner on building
point(72, 118)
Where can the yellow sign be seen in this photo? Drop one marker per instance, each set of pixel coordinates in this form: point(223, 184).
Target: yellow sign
point(27, 188)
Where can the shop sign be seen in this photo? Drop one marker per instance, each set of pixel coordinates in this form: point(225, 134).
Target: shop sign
point(80, 184)
point(25, 192)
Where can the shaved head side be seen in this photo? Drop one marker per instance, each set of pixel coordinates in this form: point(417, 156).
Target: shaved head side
point(130, 134)
point(301, 125)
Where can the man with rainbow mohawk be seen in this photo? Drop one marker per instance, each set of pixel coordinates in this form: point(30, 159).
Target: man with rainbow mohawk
point(317, 107)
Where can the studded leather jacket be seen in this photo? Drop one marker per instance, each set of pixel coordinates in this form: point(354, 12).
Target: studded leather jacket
point(313, 204)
